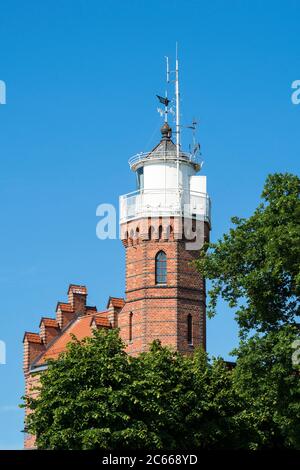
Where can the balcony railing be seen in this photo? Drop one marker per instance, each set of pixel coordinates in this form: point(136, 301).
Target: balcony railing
point(163, 155)
point(164, 203)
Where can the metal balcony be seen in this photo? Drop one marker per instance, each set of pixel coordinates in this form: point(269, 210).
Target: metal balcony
point(163, 155)
point(164, 203)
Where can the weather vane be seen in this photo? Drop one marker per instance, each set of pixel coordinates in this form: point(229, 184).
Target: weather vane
point(164, 100)
point(196, 146)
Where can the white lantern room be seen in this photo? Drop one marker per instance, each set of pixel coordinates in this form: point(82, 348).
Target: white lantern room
point(167, 184)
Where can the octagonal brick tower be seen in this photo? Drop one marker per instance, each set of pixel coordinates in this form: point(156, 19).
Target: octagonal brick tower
point(165, 295)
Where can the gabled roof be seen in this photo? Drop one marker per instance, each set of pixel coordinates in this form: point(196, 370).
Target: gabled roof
point(32, 337)
point(117, 302)
point(65, 307)
point(101, 322)
point(51, 322)
point(81, 327)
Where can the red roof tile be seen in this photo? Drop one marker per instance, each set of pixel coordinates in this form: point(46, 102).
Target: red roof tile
point(65, 307)
point(117, 302)
point(101, 322)
point(51, 322)
point(81, 328)
point(33, 337)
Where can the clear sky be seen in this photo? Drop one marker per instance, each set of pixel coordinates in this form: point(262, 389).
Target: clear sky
point(81, 80)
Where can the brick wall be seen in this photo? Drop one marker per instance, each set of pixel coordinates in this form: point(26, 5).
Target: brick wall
point(160, 311)
point(151, 311)
point(32, 382)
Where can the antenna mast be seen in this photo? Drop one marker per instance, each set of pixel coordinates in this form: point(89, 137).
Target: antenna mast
point(177, 103)
point(166, 101)
point(177, 112)
point(166, 94)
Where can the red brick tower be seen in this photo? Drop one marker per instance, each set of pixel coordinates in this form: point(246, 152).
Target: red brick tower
point(163, 225)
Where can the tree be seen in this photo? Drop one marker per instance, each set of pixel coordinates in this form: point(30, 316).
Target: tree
point(268, 382)
point(95, 396)
point(187, 401)
point(256, 267)
point(82, 400)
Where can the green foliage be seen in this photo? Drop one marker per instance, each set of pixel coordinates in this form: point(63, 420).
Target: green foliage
point(185, 402)
point(96, 396)
point(85, 386)
point(256, 267)
point(268, 382)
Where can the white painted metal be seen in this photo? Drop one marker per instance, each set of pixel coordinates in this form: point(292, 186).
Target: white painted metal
point(164, 203)
point(198, 183)
point(177, 112)
point(142, 158)
point(171, 186)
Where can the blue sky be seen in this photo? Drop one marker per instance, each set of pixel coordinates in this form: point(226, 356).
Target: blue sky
point(81, 81)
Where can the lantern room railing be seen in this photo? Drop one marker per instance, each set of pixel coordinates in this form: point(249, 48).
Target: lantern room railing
point(163, 155)
point(164, 202)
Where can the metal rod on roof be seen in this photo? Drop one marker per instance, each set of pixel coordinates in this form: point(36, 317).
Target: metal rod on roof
point(177, 95)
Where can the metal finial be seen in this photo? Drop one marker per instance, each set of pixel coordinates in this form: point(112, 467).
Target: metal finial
point(166, 132)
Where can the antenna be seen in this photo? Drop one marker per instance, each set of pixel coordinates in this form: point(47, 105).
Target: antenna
point(177, 96)
point(168, 70)
point(164, 100)
point(196, 145)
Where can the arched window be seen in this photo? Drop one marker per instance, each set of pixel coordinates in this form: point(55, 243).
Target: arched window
point(161, 268)
point(190, 329)
point(130, 326)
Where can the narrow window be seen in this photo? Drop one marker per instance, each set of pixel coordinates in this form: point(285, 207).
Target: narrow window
point(130, 326)
point(190, 329)
point(161, 268)
point(170, 233)
point(140, 178)
point(160, 231)
point(150, 233)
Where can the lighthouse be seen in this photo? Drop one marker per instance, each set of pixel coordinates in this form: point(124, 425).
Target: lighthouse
point(163, 224)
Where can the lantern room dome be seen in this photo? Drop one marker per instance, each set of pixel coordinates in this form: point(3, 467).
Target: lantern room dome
point(165, 150)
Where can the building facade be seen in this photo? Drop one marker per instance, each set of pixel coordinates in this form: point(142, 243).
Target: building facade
point(163, 224)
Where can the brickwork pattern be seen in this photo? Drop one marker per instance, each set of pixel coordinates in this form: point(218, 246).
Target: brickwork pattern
point(160, 311)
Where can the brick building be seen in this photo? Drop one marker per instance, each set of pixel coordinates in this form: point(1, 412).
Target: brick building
point(161, 225)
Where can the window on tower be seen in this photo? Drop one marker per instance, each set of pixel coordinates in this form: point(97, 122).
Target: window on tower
point(190, 329)
point(161, 268)
point(140, 178)
point(130, 326)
